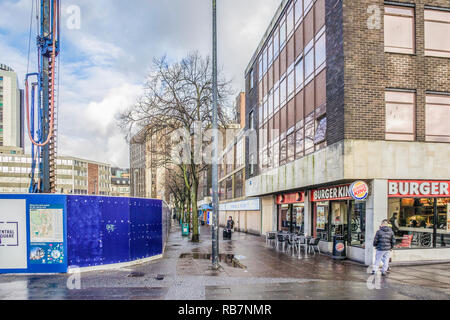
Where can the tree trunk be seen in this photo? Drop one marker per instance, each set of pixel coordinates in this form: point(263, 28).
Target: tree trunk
point(195, 231)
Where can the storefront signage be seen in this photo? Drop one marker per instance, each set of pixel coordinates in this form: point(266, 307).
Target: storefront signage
point(331, 193)
point(245, 205)
point(418, 188)
point(359, 190)
point(287, 198)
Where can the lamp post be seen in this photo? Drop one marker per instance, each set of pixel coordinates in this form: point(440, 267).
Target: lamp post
point(215, 200)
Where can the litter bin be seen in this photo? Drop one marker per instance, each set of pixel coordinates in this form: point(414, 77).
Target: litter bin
point(185, 229)
point(339, 249)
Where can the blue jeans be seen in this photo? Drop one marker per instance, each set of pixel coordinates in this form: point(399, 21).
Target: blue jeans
point(382, 256)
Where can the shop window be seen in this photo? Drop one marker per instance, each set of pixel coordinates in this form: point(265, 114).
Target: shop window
point(400, 115)
point(321, 131)
point(298, 10)
point(437, 31)
point(299, 74)
point(339, 225)
point(437, 118)
point(399, 29)
point(358, 223)
point(414, 219)
point(322, 220)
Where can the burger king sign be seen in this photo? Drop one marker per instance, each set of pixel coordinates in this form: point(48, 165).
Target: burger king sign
point(359, 190)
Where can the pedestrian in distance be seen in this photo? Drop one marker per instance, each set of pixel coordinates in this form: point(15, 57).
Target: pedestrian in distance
point(229, 228)
point(384, 242)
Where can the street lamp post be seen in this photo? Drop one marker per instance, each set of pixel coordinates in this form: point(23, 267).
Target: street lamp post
point(215, 200)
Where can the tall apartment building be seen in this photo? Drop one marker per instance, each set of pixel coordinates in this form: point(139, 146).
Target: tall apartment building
point(73, 175)
point(11, 109)
point(345, 91)
point(147, 175)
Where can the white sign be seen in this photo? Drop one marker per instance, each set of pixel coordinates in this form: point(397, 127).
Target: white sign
point(244, 205)
point(13, 234)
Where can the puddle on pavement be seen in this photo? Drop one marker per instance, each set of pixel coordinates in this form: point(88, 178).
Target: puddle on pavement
point(230, 259)
point(136, 274)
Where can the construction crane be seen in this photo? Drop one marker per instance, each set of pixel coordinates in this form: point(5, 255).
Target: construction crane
point(43, 98)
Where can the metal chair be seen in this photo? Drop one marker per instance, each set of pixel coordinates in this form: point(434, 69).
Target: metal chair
point(314, 244)
point(290, 244)
point(271, 237)
point(281, 239)
point(302, 242)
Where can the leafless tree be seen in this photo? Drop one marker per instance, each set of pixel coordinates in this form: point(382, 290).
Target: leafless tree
point(178, 96)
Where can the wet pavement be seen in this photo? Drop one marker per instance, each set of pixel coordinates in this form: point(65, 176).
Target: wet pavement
point(250, 270)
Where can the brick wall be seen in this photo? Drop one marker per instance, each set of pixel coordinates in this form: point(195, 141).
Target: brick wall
point(369, 70)
point(93, 179)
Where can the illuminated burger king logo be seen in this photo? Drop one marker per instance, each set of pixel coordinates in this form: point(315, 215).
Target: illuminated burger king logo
point(340, 247)
point(359, 190)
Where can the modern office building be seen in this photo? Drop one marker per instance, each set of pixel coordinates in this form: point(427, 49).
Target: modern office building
point(346, 91)
point(11, 109)
point(73, 175)
point(120, 182)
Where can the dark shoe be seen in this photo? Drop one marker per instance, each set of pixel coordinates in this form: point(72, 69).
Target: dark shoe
point(373, 272)
point(384, 274)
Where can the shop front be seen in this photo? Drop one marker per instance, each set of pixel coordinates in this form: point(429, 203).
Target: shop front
point(419, 211)
point(337, 212)
point(245, 213)
point(291, 212)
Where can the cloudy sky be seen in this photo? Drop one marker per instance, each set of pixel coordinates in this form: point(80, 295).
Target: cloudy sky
point(104, 62)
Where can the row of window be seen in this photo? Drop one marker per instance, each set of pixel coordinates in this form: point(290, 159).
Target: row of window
point(226, 191)
point(401, 111)
point(399, 31)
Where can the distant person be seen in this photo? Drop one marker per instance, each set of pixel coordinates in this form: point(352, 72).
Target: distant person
point(384, 242)
point(394, 223)
point(227, 231)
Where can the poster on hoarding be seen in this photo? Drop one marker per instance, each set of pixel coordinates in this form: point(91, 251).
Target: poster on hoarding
point(46, 224)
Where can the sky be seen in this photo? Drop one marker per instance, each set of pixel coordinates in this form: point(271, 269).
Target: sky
point(107, 50)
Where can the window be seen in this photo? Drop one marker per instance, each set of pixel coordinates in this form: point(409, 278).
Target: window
point(264, 61)
point(276, 43)
point(251, 79)
point(298, 10)
point(282, 34)
point(308, 5)
point(283, 149)
point(299, 143)
point(309, 62)
point(321, 131)
point(320, 51)
point(283, 91)
point(270, 53)
point(260, 64)
point(437, 32)
point(291, 83)
point(270, 103)
point(437, 117)
point(400, 115)
point(252, 163)
point(251, 120)
point(309, 135)
point(291, 147)
point(290, 21)
point(276, 97)
point(399, 29)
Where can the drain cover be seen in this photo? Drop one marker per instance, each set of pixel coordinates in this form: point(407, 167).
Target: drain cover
point(136, 274)
point(160, 277)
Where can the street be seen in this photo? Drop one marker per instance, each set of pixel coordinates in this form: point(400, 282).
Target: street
point(251, 270)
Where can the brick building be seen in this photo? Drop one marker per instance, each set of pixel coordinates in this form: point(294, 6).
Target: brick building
point(345, 91)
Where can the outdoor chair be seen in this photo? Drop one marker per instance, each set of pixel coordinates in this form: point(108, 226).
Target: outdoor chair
point(314, 244)
point(281, 239)
point(271, 237)
point(290, 244)
point(302, 241)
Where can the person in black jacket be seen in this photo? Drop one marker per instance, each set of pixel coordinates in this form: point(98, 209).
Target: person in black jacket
point(384, 242)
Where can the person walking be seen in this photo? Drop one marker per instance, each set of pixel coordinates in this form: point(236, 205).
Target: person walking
point(384, 242)
point(230, 226)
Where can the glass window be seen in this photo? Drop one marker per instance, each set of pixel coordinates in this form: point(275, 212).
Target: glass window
point(270, 53)
point(270, 104)
point(291, 83)
point(358, 223)
point(437, 32)
point(283, 91)
point(282, 34)
point(339, 218)
point(437, 117)
point(283, 149)
point(399, 29)
point(298, 217)
point(276, 97)
point(291, 147)
point(309, 63)
point(290, 20)
point(299, 73)
point(251, 79)
point(308, 5)
point(260, 65)
point(322, 220)
point(264, 61)
point(320, 51)
point(413, 220)
point(276, 154)
point(299, 143)
point(309, 135)
point(276, 43)
point(321, 130)
point(298, 10)
point(400, 115)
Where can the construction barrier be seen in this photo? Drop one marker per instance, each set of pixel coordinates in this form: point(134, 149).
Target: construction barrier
point(53, 233)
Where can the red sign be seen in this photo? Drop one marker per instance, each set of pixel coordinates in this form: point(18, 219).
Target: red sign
point(291, 198)
point(418, 188)
point(331, 193)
